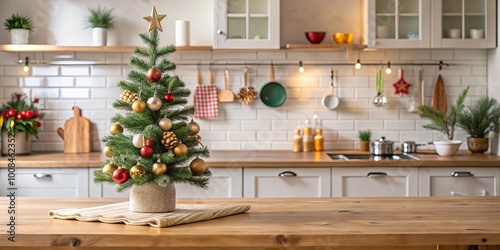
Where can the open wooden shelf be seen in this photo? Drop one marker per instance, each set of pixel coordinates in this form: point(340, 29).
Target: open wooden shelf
point(55, 48)
point(330, 46)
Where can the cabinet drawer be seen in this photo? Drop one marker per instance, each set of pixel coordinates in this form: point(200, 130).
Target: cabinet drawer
point(50, 182)
point(286, 182)
point(459, 181)
point(374, 182)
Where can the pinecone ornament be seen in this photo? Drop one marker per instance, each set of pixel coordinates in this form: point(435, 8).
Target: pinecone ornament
point(247, 95)
point(128, 96)
point(169, 140)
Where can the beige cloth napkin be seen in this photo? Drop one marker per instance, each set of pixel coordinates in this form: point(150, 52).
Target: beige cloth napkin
point(119, 213)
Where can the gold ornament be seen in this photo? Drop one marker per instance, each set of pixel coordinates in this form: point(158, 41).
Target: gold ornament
point(154, 20)
point(181, 150)
point(128, 96)
point(138, 106)
point(198, 138)
point(154, 103)
point(194, 128)
point(198, 167)
point(109, 168)
point(116, 128)
point(159, 168)
point(169, 139)
point(137, 171)
point(107, 151)
point(165, 124)
point(138, 140)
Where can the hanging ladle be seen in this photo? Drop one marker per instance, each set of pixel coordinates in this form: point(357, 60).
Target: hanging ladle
point(330, 101)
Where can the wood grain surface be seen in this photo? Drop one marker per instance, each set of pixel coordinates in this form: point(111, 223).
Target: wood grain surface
point(77, 133)
point(319, 223)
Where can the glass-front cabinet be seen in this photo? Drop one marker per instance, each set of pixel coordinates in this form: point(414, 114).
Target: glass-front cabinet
point(463, 24)
point(244, 24)
point(397, 23)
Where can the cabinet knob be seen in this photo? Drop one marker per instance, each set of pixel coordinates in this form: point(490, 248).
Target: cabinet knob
point(220, 32)
point(42, 175)
point(287, 174)
point(462, 174)
point(376, 174)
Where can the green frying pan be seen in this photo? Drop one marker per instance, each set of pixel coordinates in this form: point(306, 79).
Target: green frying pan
point(272, 94)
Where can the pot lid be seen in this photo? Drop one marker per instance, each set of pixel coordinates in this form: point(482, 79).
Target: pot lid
point(382, 141)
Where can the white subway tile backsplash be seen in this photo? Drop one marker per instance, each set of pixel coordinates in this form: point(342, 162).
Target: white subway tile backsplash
point(46, 93)
point(113, 58)
point(207, 135)
point(271, 136)
point(262, 125)
point(60, 81)
point(442, 54)
point(31, 81)
point(15, 71)
point(75, 70)
point(470, 54)
point(369, 124)
point(216, 145)
point(45, 70)
point(90, 81)
point(399, 125)
point(102, 70)
point(421, 54)
point(241, 136)
point(111, 93)
point(75, 93)
point(338, 125)
point(258, 145)
point(92, 57)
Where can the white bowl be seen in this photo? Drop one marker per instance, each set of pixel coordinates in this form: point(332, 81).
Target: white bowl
point(447, 148)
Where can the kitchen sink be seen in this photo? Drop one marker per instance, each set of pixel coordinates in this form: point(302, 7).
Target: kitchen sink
point(394, 157)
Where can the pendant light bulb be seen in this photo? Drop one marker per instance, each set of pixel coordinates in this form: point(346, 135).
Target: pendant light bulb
point(26, 67)
point(301, 68)
point(358, 64)
point(388, 70)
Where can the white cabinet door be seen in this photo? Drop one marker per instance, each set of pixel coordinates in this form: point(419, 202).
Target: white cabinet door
point(286, 182)
point(374, 182)
point(247, 24)
point(463, 24)
point(397, 23)
point(48, 182)
point(224, 183)
point(470, 181)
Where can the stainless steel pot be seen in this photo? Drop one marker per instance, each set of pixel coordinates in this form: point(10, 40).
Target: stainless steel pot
point(409, 147)
point(382, 147)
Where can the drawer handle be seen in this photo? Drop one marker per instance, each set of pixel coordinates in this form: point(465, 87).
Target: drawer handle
point(42, 175)
point(376, 174)
point(287, 174)
point(462, 174)
point(482, 193)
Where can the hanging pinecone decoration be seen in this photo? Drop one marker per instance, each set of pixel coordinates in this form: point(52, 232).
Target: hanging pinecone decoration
point(128, 96)
point(169, 140)
point(246, 94)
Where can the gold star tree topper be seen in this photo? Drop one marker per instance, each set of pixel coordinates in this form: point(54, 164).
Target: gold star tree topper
point(154, 20)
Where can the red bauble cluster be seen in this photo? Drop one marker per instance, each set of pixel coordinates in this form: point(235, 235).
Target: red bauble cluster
point(169, 98)
point(147, 150)
point(120, 175)
point(25, 114)
point(154, 74)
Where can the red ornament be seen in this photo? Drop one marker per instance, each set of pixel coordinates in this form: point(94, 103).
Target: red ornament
point(28, 114)
point(19, 116)
point(154, 74)
point(149, 143)
point(120, 175)
point(5, 115)
point(169, 98)
point(401, 85)
point(18, 96)
point(36, 114)
point(36, 100)
point(11, 112)
point(38, 124)
point(146, 152)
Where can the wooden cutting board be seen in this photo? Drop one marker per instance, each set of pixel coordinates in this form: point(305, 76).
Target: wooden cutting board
point(439, 96)
point(77, 133)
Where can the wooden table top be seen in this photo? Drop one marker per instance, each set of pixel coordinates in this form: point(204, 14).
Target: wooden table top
point(223, 159)
point(294, 223)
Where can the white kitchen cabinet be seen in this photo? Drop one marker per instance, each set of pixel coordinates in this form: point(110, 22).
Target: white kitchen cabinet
point(449, 181)
point(247, 24)
point(286, 182)
point(397, 23)
point(374, 181)
point(453, 22)
point(224, 183)
point(48, 182)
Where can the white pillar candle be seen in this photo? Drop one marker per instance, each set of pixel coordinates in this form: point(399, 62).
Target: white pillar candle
point(181, 33)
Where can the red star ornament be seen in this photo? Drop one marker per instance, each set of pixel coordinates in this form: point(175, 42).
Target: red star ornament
point(401, 85)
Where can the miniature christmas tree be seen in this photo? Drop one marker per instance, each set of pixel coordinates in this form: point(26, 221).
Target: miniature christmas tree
point(159, 144)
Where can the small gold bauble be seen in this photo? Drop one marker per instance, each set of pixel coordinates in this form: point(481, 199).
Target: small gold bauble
point(159, 168)
point(180, 150)
point(165, 124)
point(115, 128)
point(109, 168)
point(128, 96)
point(137, 171)
point(138, 106)
point(107, 151)
point(194, 128)
point(198, 167)
point(154, 103)
point(138, 140)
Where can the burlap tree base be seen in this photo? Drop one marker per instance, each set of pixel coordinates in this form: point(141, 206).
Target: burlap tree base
point(152, 198)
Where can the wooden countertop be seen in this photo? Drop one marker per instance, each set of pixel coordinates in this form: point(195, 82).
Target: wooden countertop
point(331, 223)
point(222, 159)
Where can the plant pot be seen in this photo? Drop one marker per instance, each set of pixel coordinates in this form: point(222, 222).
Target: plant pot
point(447, 148)
point(152, 198)
point(17, 145)
point(477, 145)
point(99, 36)
point(364, 145)
point(19, 36)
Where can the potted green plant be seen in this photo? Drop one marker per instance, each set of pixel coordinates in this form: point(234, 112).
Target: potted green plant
point(19, 27)
point(446, 123)
point(100, 20)
point(364, 139)
point(478, 121)
point(19, 121)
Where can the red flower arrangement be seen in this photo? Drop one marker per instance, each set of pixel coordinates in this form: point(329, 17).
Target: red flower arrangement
point(19, 116)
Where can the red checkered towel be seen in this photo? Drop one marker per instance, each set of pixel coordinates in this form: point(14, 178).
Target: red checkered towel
point(205, 101)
